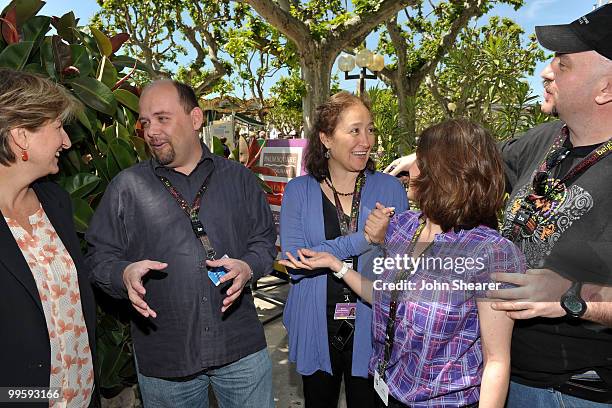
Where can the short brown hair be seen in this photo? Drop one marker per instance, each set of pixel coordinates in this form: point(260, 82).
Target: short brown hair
point(326, 120)
point(461, 184)
point(29, 101)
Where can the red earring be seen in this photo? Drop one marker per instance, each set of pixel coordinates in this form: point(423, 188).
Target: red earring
point(24, 155)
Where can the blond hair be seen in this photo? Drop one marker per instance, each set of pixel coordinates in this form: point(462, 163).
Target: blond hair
point(30, 101)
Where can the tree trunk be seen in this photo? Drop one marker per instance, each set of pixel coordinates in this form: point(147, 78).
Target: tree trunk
point(316, 73)
point(406, 103)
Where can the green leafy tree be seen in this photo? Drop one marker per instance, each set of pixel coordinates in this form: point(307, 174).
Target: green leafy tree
point(320, 30)
point(418, 44)
point(259, 52)
point(285, 103)
point(161, 31)
point(484, 78)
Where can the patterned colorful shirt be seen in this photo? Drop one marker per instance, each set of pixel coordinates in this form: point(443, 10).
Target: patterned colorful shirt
point(436, 359)
point(58, 287)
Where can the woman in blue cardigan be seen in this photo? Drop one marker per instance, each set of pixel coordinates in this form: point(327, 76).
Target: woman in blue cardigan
point(328, 324)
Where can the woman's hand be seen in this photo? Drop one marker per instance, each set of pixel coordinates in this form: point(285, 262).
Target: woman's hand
point(377, 223)
point(312, 260)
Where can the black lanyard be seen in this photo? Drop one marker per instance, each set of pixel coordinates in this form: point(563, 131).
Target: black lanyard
point(193, 212)
point(555, 157)
point(403, 274)
point(349, 226)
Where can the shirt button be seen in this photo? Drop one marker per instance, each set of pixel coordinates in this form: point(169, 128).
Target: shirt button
point(206, 329)
point(40, 366)
point(204, 299)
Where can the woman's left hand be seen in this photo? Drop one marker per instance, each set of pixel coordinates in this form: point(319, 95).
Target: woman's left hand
point(312, 260)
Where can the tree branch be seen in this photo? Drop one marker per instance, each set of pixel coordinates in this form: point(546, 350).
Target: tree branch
point(364, 24)
point(282, 20)
point(448, 40)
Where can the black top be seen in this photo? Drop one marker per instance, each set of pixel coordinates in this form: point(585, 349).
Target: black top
point(25, 353)
point(573, 238)
point(337, 290)
point(139, 219)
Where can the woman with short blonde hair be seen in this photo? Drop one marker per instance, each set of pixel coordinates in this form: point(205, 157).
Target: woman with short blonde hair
point(48, 310)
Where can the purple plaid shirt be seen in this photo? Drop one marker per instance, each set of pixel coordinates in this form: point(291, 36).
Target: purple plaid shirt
point(436, 360)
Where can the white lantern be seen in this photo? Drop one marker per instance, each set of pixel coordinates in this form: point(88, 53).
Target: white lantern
point(378, 63)
point(346, 63)
point(364, 58)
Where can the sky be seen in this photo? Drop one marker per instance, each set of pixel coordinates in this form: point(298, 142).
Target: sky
point(534, 12)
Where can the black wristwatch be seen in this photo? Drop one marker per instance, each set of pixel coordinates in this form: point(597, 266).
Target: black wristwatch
point(572, 303)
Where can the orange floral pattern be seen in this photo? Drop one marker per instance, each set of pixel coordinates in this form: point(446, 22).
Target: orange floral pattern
point(58, 288)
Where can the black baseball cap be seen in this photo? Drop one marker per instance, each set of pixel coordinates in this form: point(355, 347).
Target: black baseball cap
point(591, 32)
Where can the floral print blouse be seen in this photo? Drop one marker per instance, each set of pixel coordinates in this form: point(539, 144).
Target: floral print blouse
point(58, 286)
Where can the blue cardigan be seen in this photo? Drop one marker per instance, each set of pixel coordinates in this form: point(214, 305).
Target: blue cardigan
point(301, 226)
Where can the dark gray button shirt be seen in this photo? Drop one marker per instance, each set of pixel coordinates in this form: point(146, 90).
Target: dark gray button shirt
point(138, 219)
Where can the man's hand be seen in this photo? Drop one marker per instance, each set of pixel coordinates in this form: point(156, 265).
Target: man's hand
point(237, 270)
point(538, 294)
point(404, 163)
point(132, 279)
point(377, 223)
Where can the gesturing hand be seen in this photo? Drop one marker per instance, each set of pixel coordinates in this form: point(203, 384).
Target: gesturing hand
point(132, 279)
point(377, 223)
point(237, 270)
point(312, 260)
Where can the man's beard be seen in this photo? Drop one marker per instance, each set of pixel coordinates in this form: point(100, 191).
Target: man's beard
point(165, 156)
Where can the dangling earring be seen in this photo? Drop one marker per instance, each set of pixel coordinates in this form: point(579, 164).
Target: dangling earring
point(24, 155)
point(327, 154)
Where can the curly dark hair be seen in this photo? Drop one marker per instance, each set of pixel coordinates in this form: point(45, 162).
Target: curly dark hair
point(461, 184)
point(326, 120)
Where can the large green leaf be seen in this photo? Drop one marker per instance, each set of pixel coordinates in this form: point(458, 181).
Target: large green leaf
point(87, 40)
point(109, 73)
point(80, 184)
point(46, 57)
point(121, 154)
point(123, 134)
point(123, 61)
point(25, 9)
point(82, 214)
point(95, 94)
point(140, 147)
point(111, 166)
point(75, 132)
point(16, 55)
point(35, 68)
point(74, 158)
point(101, 167)
point(64, 26)
point(35, 28)
point(110, 133)
point(83, 119)
point(127, 98)
point(80, 59)
point(104, 44)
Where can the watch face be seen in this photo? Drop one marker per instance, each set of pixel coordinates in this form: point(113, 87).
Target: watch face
point(573, 304)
